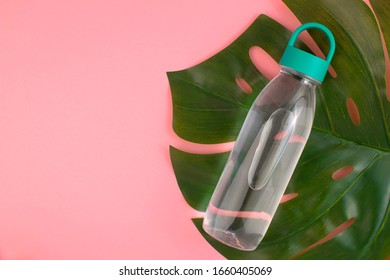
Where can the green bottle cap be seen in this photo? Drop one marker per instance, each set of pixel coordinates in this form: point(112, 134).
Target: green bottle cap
point(304, 62)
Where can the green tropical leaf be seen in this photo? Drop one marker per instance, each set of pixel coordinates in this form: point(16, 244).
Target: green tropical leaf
point(342, 186)
point(208, 105)
point(382, 11)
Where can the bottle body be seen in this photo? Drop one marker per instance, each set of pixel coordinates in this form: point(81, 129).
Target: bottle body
point(262, 161)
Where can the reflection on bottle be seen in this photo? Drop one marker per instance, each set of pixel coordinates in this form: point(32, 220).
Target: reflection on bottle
point(269, 150)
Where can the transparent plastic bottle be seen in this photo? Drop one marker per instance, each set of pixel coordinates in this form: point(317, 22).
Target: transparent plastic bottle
point(267, 149)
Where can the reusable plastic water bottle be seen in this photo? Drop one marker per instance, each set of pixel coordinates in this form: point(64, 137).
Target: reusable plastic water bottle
point(267, 149)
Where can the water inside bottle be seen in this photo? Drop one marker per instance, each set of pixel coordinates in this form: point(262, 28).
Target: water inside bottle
point(258, 169)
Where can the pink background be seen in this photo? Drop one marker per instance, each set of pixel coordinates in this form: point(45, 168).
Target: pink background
point(85, 121)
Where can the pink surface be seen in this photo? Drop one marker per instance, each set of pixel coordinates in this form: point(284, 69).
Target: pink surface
point(85, 121)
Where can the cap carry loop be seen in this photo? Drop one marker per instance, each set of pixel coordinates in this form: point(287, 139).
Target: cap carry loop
point(305, 62)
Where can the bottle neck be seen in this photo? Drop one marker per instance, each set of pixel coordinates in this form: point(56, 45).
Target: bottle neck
point(299, 76)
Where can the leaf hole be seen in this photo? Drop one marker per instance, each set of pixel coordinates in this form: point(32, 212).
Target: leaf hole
point(297, 139)
point(342, 172)
point(243, 85)
point(264, 62)
point(338, 230)
point(293, 139)
point(288, 197)
point(353, 111)
point(240, 214)
point(280, 135)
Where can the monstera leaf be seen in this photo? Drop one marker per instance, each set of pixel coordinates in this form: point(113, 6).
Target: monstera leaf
point(338, 197)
